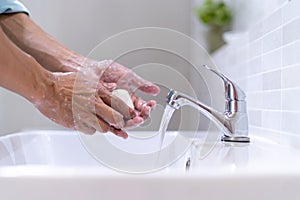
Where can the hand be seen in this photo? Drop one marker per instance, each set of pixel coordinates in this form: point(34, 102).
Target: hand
point(74, 101)
point(118, 76)
point(83, 100)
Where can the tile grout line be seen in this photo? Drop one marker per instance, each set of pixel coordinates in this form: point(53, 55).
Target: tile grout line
point(281, 84)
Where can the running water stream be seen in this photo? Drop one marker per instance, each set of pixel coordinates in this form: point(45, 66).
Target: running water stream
point(164, 124)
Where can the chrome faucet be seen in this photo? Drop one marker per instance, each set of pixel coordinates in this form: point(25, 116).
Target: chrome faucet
point(233, 121)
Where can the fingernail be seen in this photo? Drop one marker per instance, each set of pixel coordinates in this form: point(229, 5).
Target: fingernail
point(132, 113)
point(138, 120)
point(146, 110)
point(140, 104)
point(123, 135)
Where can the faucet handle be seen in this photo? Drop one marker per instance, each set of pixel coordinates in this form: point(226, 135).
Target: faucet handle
point(232, 91)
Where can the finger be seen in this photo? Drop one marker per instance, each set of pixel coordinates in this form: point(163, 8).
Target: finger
point(134, 122)
point(126, 77)
point(88, 130)
point(144, 85)
point(109, 115)
point(119, 132)
point(151, 103)
point(84, 128)
point(84, 120)
point(115, 102)
point(138, 102)
point(99, 109)
point(104, 127)
point(119, 105)
point(142, 106)
point(145, 112)
point(110, 86)
point(150, 89)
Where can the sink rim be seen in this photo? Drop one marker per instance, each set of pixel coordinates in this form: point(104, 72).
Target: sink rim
point(257, 167)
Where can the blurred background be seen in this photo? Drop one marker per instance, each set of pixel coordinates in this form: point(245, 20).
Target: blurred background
point(81, 25)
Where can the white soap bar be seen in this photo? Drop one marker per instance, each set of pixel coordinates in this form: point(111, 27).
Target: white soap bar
point(125, 96)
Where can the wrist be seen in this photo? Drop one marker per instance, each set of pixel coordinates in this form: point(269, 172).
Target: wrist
point(40, 86)
point(71, 62)
point(32, 39)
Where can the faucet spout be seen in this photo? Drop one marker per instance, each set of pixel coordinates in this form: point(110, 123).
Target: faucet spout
point(233, 122)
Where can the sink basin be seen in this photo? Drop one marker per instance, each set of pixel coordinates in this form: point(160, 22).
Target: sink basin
point(60, 165)
point(71, 149)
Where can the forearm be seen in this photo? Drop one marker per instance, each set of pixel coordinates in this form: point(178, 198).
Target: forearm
point(32, 39)
point(20, 73)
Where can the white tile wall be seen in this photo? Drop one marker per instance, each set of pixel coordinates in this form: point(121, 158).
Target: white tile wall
point(289, 80)
point(270, 72)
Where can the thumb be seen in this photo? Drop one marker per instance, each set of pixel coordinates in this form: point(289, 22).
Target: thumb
point(110, 86)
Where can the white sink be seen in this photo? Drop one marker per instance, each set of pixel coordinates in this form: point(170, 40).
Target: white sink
point(70, 149)
point(56, 165)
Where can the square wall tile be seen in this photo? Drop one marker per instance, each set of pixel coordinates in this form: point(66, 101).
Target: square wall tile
point(290, 122)
point(271, 120)
point(272, 100)
point(254, 66)
point(272, 22)
point(255, 48)
point(242, 70)
point(255, 117)
point(290, 77)
point(272, 40)
point(272, 80)
point(272, 60)
point(291, 100)
point(291, 10)
point(290, 54)
point(254, 100)
point(255, 83)
point(291, 31)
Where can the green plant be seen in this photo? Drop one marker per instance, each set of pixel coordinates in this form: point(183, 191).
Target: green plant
point(214, 13)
